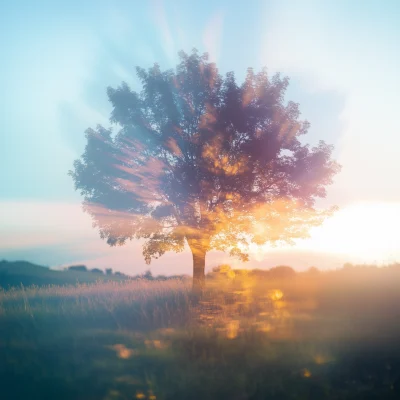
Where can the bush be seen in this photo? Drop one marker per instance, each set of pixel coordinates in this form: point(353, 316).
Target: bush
point(96, 271)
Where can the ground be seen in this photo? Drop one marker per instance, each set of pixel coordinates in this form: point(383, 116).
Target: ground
point(330, 335)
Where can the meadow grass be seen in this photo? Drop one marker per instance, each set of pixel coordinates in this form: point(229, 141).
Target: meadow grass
point(324, 336)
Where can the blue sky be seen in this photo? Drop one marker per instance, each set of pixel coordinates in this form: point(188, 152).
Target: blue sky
point(59, 57)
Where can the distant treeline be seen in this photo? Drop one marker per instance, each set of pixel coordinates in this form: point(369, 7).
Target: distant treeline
point(285, 272)
point(17, 273)
point(109, 272)
point(83, 268)
point(279, 272)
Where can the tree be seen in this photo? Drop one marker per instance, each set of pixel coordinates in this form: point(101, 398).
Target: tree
point(148, 275)
point(281, 272)
point(313, 271)
point(202, 160)
point(80, 268)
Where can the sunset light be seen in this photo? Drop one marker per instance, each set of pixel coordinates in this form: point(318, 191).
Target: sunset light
point(200, 200)
point(365, 231)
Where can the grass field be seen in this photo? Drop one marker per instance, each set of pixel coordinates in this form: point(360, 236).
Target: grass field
point(330, 335)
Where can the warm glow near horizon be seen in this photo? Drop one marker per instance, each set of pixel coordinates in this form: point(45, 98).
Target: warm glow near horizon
point(363, 231)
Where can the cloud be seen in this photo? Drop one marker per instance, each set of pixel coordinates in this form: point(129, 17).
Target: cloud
point(26, 224)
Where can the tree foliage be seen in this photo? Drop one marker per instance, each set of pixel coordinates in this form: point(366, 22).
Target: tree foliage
point(199, 158)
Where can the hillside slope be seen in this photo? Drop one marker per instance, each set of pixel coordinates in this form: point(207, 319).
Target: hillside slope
point(15, 273)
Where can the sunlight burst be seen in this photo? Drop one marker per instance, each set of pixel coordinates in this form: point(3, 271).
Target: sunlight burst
point(367, 232)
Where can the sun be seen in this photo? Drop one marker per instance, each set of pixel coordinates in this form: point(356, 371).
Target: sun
point(366, 231)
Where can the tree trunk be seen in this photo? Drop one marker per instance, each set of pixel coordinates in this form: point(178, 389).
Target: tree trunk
point(199, 262)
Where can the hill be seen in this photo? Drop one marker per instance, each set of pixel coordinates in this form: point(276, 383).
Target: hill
point(15, 273)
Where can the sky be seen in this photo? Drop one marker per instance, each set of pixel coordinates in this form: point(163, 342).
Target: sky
point(58, 58)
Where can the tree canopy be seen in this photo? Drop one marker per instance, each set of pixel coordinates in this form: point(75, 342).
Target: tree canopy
point(199, 159)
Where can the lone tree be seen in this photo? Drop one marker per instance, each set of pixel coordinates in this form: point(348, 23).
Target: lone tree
point(202, 160)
